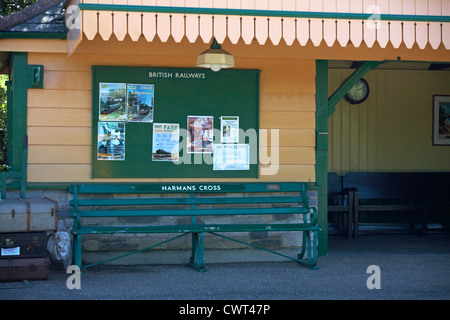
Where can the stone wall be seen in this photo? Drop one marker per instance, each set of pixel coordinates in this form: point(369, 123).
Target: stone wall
point(101, 246)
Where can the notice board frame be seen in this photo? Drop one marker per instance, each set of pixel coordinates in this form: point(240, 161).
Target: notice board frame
point(179, 93)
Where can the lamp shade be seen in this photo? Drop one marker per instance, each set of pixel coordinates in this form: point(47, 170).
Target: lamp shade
point(215, 58)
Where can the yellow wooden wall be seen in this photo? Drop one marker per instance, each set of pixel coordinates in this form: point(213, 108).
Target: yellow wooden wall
point(59, 116)
point(392, 129)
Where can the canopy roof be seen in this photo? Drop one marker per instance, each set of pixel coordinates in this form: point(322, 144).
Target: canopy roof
point(332, 22)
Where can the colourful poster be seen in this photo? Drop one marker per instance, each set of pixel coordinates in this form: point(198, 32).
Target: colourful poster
point(112, 104)
point(199, 134)
point(111, 141)
point(140, 99)
point(166, 140)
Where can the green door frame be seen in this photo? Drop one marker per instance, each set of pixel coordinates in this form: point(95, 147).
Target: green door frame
point(22, 77)
point(324, 109)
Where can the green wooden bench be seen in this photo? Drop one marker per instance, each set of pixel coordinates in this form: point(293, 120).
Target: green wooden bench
point(197, 201)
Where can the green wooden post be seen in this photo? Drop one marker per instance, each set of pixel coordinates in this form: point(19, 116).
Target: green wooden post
point(322, 152)
point(17, 124)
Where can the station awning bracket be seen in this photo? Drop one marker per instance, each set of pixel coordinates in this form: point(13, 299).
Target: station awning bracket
point(340, 92)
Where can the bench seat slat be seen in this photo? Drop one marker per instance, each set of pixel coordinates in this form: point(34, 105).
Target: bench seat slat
point(197, 228)
point(191, 212)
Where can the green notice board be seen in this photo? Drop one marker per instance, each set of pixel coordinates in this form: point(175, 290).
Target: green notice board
point(174, 123)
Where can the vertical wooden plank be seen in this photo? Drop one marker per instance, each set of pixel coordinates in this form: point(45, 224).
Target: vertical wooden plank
point(177, 22)
point(288, 23)
point(434, 28)
point(329, 25)
point(345, 135)
point(163, 21)
point(90, 23)
point(206, 22)
point(105, 22)
point(220, 22)
point(353, 138)
point(275, 24)
point(333, 129)
point(261, 23)
point(382, 31)
point(356, 26)
point(316, 25)
point(342, 26)
point(421, 7)
point(248, 23)
point(395, 27)
point(370, 26)
point(149, 21)
point(446, 25)
point(234, 22)
point(303, 24)
point(192, 22)
point(135, 21)
point(409, 29)
point(177, 27)
point(120, 21)
point(371, 123)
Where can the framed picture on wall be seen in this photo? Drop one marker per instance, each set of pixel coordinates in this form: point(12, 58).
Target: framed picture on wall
point(441, 120)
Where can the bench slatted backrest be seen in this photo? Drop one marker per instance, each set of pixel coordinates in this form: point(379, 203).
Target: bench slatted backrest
point(383, 185)
point(210, 194)
point(334, 188)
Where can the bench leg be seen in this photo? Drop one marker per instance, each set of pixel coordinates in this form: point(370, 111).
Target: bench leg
point(197, 259)
point(309, 244)
point(77, 250)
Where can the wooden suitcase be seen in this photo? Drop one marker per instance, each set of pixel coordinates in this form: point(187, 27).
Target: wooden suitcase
point(23, 245)
point(28, 215)
point(24, 269)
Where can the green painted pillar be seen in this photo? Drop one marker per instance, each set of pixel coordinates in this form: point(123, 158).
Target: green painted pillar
point(322, 151)
point(17, 110)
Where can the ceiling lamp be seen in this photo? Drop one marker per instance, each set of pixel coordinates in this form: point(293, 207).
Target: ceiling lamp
point(215, 58)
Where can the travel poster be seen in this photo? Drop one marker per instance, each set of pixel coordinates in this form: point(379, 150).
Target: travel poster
point(199, 134)
point(441, 120)
point(112, 104)
point(140, 102)
point(111, 141)
point(166, 137)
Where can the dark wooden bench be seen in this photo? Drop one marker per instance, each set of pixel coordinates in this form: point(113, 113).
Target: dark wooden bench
point(269, 201)
point(417, 193)
point(340, 202)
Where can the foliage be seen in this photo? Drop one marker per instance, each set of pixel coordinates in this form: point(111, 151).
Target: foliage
point(10, 6)
point(6, 8)
point(3, 138)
